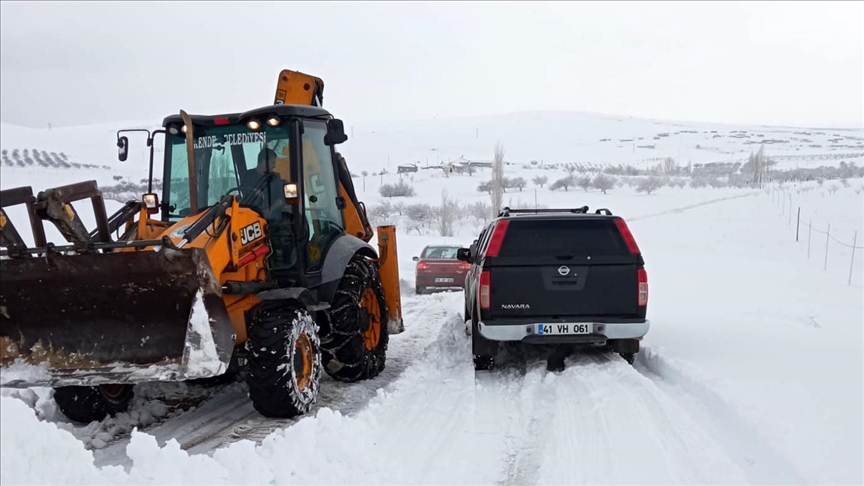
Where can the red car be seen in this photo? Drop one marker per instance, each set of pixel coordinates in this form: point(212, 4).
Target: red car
point(438, 269)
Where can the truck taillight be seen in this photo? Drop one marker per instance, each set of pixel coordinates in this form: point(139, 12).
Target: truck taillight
point(643, 287)
point(627, 235)
point(485, 289)
point(497, 238)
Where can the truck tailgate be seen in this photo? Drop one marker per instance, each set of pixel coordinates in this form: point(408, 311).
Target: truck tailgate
point(563, 268)
point(558, 291)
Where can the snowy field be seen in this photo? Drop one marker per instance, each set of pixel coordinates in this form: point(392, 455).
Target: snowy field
point(752, 372)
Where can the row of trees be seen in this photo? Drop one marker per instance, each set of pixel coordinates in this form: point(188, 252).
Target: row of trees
point(424, 216)
point(41, 158)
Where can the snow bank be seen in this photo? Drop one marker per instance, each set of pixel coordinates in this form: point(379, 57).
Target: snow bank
point(37, 452)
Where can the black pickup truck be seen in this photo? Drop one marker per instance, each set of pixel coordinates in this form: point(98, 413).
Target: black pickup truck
point(555, 276)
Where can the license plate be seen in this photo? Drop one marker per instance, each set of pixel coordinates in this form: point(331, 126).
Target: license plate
point(443, 280)
point(563, 329)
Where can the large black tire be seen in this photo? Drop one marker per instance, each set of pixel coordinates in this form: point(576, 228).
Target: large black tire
point(283, 359)
point(355, 346)
point(483, 349)
point(86, 404)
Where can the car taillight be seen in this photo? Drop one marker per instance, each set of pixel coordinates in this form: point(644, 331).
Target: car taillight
point(497, 238)
point(422, 266)
point(643, 287)
point(627, 235)
point(485, 289)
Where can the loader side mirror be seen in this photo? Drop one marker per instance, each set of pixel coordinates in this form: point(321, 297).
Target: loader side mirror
point(122, 148)
point(335, 132)
point(463, 255)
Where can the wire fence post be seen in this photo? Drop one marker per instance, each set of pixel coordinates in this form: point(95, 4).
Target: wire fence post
point(798, 224)
point(852, 263)
point(827, 239)
point(809, 236)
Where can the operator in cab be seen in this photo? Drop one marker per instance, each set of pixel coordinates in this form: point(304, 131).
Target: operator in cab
point(270, 198)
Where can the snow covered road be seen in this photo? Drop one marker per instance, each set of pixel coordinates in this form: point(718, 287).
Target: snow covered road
point(730, 387)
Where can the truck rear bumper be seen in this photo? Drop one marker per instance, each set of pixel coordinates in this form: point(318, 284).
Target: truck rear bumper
point(600, 332)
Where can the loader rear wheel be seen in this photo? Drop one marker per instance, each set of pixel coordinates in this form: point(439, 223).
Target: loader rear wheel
point(356, 345)
point(86, 404)
point(284, 359)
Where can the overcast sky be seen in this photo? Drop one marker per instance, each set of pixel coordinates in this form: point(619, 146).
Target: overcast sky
point(789, 63)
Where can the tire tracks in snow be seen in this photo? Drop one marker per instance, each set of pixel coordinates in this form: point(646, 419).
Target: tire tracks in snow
point(602, 420)
point(228, 416)
point(758, 460)
point(502, 399)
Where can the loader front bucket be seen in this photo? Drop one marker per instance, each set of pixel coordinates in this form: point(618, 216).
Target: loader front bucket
point(123, 317)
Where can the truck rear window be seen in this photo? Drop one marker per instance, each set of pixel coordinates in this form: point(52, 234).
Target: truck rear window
point(562, 237)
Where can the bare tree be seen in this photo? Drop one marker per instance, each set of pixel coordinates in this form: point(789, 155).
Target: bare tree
point(584, 182)
point(420, 214)
point(518, 183)
point(562, 183)
point(497, 191)
point(649, 184)
point(400, 189)
point(603, 182)
point(485, 187)
point(670, 166)
point(540, 180)
point(446, 214)
point(479, 211)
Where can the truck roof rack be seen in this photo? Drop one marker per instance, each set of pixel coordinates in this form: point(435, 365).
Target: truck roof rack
point(583, 210)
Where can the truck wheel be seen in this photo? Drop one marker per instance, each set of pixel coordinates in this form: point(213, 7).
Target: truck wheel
point(283, 361)
point(86, 404)
point(484, 363)
point(483, 349)
point(355, 346)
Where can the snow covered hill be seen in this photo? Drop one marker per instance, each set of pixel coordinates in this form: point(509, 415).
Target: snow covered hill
point(751, 373)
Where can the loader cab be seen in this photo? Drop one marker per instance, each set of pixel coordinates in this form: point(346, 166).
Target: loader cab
point(280, 161)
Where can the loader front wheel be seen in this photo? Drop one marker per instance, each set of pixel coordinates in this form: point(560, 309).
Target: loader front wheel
point(355, 346)
point(86, 404)
point(284, 359)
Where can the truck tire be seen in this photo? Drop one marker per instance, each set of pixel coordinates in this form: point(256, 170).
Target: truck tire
point(86, 404)
point(355, 345)
point(483, 349)
point(283, 359)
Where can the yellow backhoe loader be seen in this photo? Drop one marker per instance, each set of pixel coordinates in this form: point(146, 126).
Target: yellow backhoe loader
point(255, 257)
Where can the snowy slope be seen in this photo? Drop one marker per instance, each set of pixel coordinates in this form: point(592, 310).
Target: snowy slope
point(751, 373)
point(547, 137)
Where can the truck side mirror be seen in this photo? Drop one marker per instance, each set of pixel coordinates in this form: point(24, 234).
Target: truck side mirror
point(335, 132)
point(122, 148)
point(463, 255)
